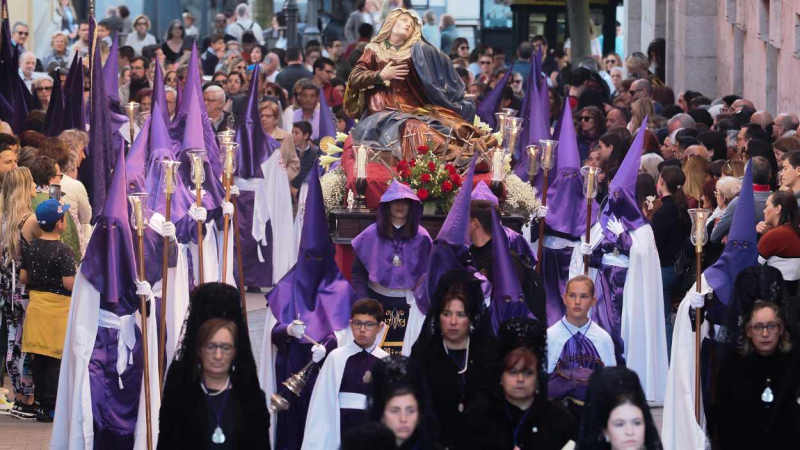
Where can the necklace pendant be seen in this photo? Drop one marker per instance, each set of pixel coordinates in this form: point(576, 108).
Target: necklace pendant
point(396, 261)
point(218, 437)
point(461, 407)
point(767, 396)
point(616, 251)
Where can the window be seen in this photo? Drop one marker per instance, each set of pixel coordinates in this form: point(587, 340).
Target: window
point(763, 20)
point(797, 36)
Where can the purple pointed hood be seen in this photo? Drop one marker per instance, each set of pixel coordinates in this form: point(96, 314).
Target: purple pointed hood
point(55, 109)
point(109, 263)
point(399, 191)
point(566, 185)
point(192, 102)
point(74, 114)
point(159, 133)
point(508, 299)
point(483, 192)
point(161, 147)
point(191, 140)
point(18, 100)
point(111, 71)
point(535, 110)
point(95, 172)
point(159, 93)
point(621, 200)
point(741, 250)
point(451, 247)
point(314, 289)
point(491, 104)
point(327, 123)
point(136, 159)
point(255, 146)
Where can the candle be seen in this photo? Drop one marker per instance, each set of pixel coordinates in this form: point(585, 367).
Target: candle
point(548, 155)
point(361, 162)
point(138, 213)
point(169, 167)
point(700, 225)
point(228, 160)
point(497, 166)
point(590, 186)
point(198, 170)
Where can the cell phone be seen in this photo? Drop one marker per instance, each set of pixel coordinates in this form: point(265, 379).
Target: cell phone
point(55, 192)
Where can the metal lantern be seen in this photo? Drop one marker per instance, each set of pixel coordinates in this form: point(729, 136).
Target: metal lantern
point(590, 175)
point(535, 156)
point(198, 156)
point(169, 168)
point(139, 214)
point(549, 147)
point(699, 235)
point(229, 157)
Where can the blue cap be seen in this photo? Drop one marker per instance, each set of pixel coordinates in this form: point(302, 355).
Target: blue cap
point(49, 212)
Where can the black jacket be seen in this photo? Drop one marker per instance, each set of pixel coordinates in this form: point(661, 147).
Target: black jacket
point(668, 231)
point(290, 75)
point(184, 423)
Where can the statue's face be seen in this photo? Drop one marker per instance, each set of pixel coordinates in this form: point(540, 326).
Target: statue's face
point(403, 27)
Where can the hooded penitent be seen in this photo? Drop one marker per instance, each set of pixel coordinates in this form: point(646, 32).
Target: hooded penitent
point(536, 126)
point(516, 241)
point(491, 104)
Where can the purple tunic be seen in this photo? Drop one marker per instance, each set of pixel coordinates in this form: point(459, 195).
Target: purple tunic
point(256, 273)
point(353, 380)
point(609, 286)
point(555, 275)
point(570, 379)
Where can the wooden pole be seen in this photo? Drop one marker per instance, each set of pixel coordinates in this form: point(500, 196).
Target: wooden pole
point(199, 235)
point(162, 324)
point(541, 222)
point(697, 336)
point(225, 228)
point(238, 245)
point(588, 233)
point(143, 311)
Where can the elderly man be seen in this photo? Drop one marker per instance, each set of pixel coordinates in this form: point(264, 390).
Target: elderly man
point(271, 64)
point(19, 35)
point(786, 124)
point(763, 118)
point(171, 96)
point(27, 63)
point(43, 88)
point(644, 89)
point(243, 24)
point(309, 108)
point(214, 98)
point(740, 103)
point(679, 121)
point(617, 118)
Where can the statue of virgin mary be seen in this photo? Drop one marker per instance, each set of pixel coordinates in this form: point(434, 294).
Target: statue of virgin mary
point(405, 90)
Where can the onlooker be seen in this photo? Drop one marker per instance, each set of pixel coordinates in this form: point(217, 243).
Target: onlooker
point(244, 24)
point(785, 125)
point(139, 67)
point(522, 65)
point(591, 126)
point(27, 64)
point(174, 42)
point(19, 36)
point(365, 32)
point(430, 29)
point(790, 173)
point(141, 37)
point(294, 71)
point(309, 107)
point(45, 171)
point(188, 24)
point(324, 72)
point(43, 88)
point(780, 244)
point(57, 57)
point(66, 16)
point(307, 153)
point(214, 99)
point(449, 34)
point(352, 29)
point(81, 46)
point(335, 50)
point(761, 192)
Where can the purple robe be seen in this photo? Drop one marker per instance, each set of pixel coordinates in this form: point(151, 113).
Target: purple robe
point(609, 286)
point(353, 381)
point(256, 273)
point(555, 275)
point(578, 359)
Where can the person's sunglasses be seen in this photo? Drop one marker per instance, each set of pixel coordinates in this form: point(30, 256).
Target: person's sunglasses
point(45, 88)
point(586, 118)
point(610, 61)
point(22, 33)
point(485, 63)
point(633, 91)
point(463, 47)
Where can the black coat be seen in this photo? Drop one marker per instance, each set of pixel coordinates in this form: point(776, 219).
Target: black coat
point(183, 421)
point(487, 426)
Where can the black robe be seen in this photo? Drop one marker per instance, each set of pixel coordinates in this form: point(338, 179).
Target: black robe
point(742, 417)
point(490, 422)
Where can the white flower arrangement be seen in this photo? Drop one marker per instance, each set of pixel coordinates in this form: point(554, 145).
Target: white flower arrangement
point(477, 123)
point(334, 185)
point(507, 163)
point(340, 137)
point(521, 197)
point(499, 137)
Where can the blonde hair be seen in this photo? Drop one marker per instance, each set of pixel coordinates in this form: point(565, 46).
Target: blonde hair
point(733, 168)
point(15, 206)
point(640, 109)
point(143, 17)
point(696, 170)
point(60, 34)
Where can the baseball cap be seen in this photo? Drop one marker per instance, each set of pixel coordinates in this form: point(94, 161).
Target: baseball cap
point(49, 212)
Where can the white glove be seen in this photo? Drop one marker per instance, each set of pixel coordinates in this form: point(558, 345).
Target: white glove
point(227, 208)
point(318, 353)
point(541, 212)
point(234, 189)
point(198, 214)
point(615, 226)
point(143, 288)
point(585, 249)
point(296, 330)
point(168, 230)
point(698, 299)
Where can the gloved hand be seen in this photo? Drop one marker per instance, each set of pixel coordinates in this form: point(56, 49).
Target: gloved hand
point(168, 230)
point(198, 214)
point(615, 226)
point(698, 299)
point(227, 208)
point(296, 330)
point(318, 353)
point(585, 249)
point(541, 212)
point(234, 189)
point(143, 288)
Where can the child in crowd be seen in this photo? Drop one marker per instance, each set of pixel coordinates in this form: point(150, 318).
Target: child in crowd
point(339, 400)
point(576, 346)
point(48, 270)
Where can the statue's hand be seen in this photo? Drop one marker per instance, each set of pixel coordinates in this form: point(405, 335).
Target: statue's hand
point(394, 71)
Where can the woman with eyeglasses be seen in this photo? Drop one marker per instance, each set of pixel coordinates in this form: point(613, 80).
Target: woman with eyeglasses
point(454, 351)
point(591, 125)
point(141, 37)
point(174, 42)
point(212, 398)
point(753, 371)
point(58, 55)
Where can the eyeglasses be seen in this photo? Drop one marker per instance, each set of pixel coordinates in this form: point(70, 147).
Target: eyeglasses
point(633, 91)
point(517, 81)
point(770, 327)
point(610, 61)
point(357, 324)
point(485, 63)
point(22, 33)
point(211, 348)
point(140, 23)
point(464, 47)
point(586, 118)
point(44, 88)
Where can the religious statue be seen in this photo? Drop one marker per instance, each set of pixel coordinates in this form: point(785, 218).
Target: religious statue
point(406, 93)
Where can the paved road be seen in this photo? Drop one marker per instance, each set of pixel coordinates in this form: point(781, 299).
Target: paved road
point(31, 435)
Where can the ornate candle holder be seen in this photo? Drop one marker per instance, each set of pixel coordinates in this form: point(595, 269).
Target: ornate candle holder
point(226, 136)
point(130, 111)
point(139, 216)
point(169, 169)
point(535, 157)
point(589, 174)
point(699, 238)
point(362, 159)
point(548, 149)
point(498, 174)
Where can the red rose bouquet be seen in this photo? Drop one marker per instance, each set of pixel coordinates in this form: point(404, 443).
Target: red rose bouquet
point(431, 179)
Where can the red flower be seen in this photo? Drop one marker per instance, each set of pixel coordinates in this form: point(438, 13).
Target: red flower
point(406, 173)
point(422, 194)
point(455, 179)
point(447, 186)
point(431, 166)
point(412, 163)
point(450, 168)
point(422, 149)
point(406, 183)
point(402, 165)
point(425, 177)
